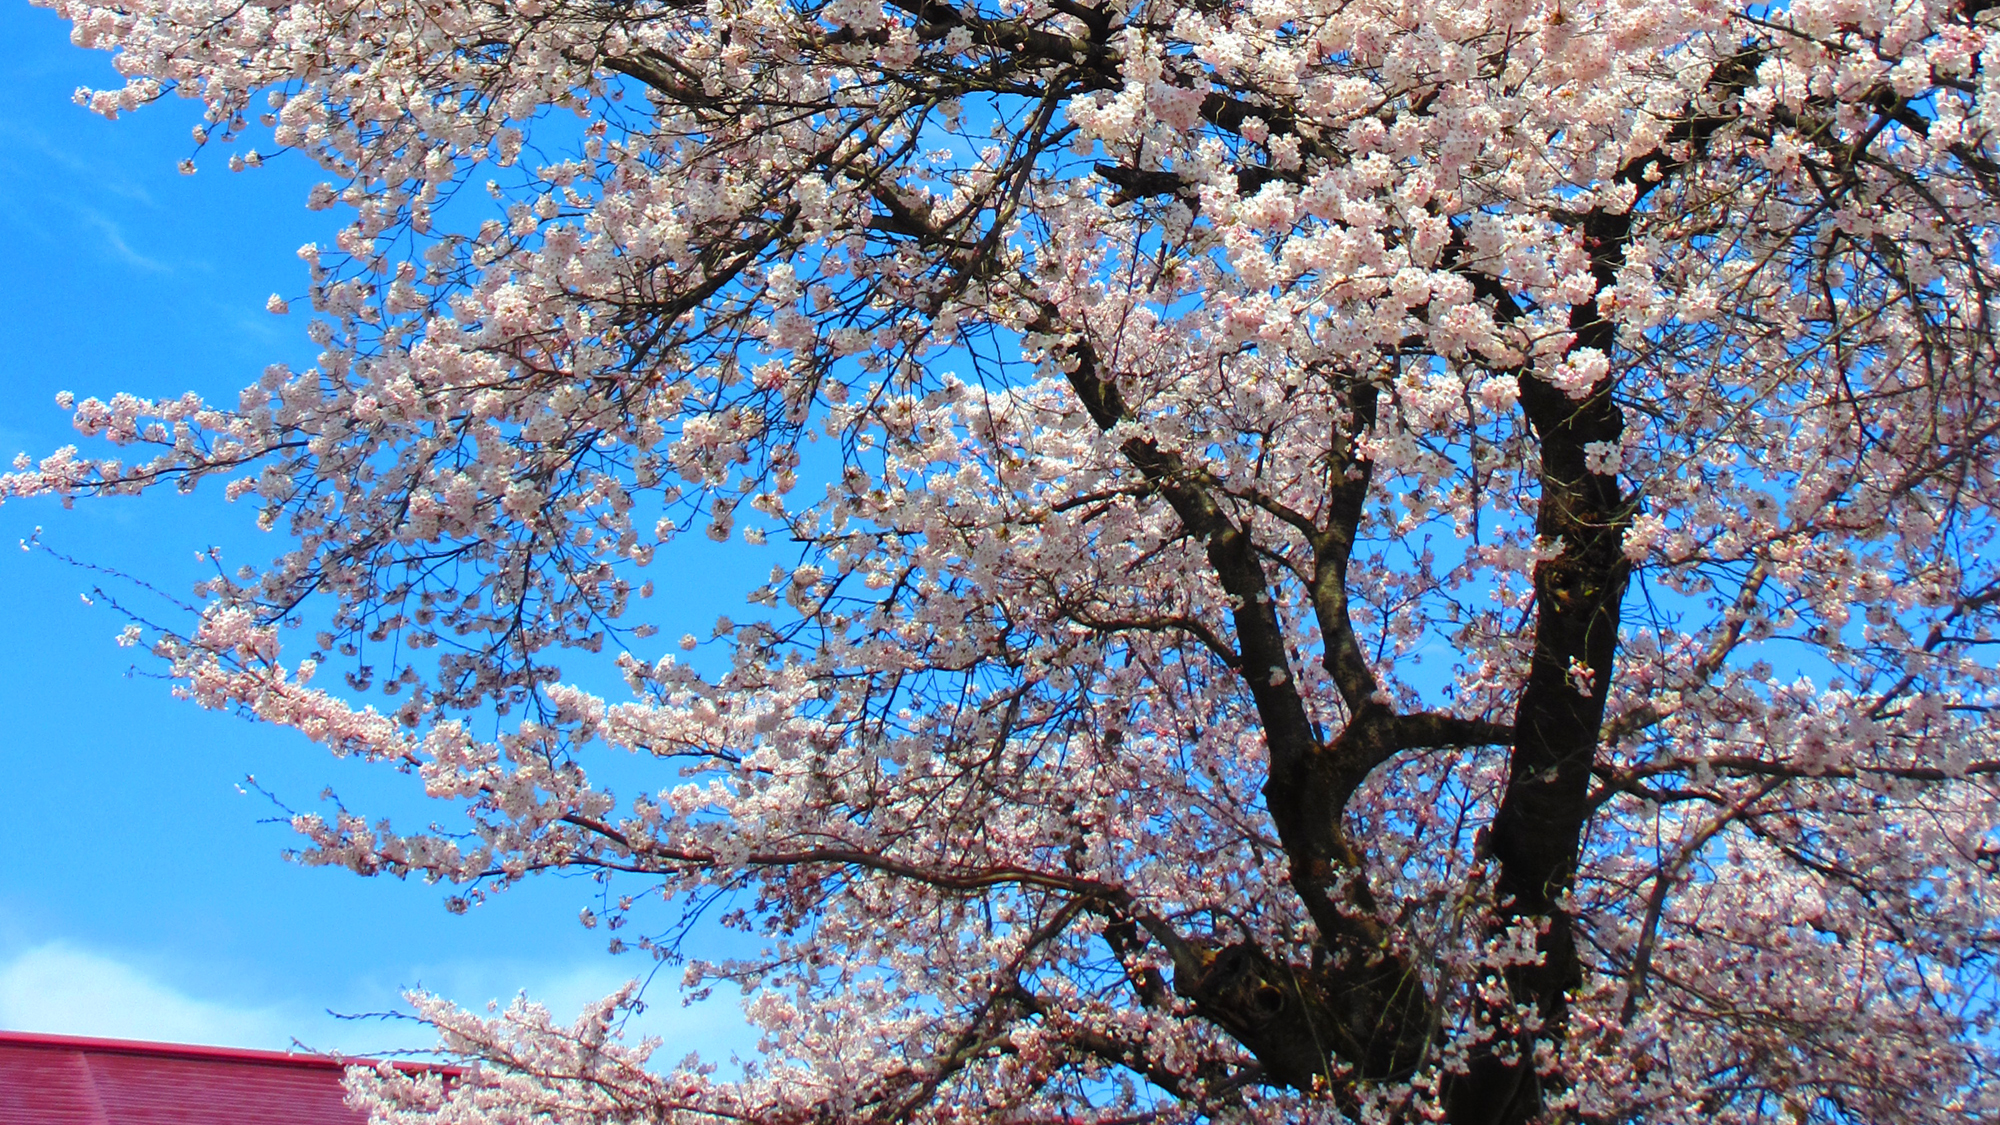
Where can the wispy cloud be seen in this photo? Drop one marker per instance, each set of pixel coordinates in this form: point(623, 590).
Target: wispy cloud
point(47, 154)
point(39, 176)
point(114, 237)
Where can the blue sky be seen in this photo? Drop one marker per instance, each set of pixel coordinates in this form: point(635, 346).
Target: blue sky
point(140, 895)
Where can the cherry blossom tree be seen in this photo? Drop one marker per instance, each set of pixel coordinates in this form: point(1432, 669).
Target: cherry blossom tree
point(1378, 560)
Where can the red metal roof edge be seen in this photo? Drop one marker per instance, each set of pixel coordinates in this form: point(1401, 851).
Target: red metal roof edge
point(45, 1041)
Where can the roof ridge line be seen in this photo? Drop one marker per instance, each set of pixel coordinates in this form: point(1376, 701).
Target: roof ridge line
point(50, 1041)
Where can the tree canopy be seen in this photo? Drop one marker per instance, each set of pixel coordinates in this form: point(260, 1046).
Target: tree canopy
point(1379, 560)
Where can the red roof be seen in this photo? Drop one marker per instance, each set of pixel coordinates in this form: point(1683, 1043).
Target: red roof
point(65, 1080)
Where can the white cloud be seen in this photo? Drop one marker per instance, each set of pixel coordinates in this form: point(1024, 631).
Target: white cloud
point(714, 1027)
point(63, 990)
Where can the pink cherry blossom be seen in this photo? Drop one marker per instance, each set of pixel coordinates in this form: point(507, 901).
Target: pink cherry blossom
point(1333, 561)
